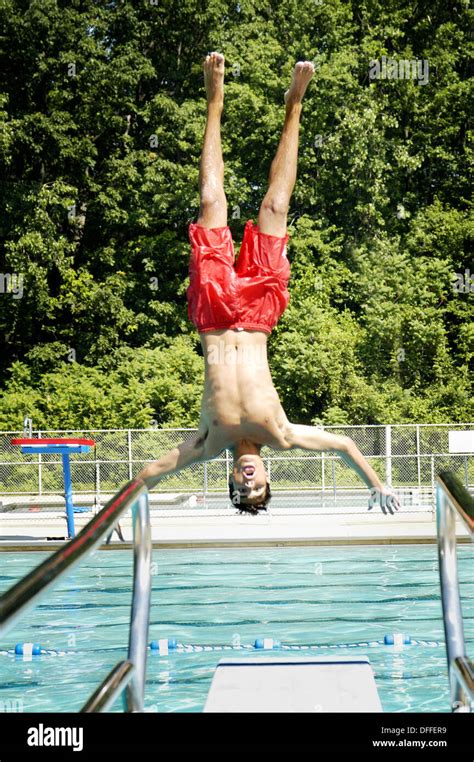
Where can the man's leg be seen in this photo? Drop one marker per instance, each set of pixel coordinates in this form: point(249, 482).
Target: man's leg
point(274, 208)
point(213, 209)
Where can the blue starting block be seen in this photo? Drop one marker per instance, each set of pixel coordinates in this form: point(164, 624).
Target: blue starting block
point(65, 448)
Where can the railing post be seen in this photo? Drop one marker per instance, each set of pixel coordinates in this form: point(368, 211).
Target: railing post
point(140, 617)
point(451, 602)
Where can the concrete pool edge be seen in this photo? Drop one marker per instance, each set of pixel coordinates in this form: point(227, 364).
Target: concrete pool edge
point(202, 530)
point(51, 545)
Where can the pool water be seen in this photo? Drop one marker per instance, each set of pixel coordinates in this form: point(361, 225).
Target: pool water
point(300, 596)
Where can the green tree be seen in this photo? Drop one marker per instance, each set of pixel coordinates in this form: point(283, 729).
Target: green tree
point(101, 122)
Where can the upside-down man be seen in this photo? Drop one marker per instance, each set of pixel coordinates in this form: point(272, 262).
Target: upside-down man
point(234, 306)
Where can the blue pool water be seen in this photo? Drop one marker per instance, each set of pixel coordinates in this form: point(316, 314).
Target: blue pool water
point(310, 595)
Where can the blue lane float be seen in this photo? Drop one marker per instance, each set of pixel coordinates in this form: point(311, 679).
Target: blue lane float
point(28, 649)
point(166, 646)
point(397, 639)
point(267, 644)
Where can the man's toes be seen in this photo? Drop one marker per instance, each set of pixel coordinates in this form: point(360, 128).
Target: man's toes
point(218, 58)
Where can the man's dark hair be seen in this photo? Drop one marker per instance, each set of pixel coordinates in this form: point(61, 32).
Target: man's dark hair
point(254, 508)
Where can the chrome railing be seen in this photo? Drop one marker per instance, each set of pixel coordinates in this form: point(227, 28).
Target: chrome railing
point(453, 499)
point(128, 676)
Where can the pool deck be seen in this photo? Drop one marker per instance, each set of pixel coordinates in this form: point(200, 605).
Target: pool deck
point(35, 528)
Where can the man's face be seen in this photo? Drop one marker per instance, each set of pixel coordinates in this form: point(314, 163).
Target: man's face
point(249, 479)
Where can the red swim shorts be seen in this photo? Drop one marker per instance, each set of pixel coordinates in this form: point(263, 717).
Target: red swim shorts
point(249, 294)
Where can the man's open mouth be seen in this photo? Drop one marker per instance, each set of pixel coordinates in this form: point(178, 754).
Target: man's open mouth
point(248, 471)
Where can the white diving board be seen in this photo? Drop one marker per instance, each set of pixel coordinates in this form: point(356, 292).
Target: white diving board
point(294, 684)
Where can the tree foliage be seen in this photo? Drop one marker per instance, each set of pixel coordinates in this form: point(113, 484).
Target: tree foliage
point(101, 123)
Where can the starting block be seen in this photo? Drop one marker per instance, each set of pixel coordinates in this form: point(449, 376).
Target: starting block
point(294, 684)
point(63, 447)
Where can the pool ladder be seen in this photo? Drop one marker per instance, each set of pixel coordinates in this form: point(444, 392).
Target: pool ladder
point(128, 676)
point(453, 499)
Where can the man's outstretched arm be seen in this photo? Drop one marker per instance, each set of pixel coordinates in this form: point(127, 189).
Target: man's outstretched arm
point(185, 454)
point(312, 438)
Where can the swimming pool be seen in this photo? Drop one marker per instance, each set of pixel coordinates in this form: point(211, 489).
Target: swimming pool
point(310, 595)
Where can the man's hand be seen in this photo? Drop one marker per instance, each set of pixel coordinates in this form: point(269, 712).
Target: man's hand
point(385, 498)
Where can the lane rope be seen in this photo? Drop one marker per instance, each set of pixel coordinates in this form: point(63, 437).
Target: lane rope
point(166, 646)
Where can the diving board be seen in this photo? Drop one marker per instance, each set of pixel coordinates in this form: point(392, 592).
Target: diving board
point(294, 684)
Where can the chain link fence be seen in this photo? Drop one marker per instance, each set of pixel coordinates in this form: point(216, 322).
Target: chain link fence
point(407, 456)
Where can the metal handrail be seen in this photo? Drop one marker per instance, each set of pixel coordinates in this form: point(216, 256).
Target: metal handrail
point(453, 499)
point(111, 687)
point(26, 593)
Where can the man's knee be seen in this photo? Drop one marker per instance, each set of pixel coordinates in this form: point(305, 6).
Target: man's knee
point(276, 205)
point(213, 211)
point(212, 202)
point(272, 215)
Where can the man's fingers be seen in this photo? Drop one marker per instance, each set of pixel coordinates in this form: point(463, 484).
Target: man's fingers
point(392, 504)
point(388, 502)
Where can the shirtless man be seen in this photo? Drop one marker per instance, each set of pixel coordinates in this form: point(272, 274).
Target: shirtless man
point(234, 307)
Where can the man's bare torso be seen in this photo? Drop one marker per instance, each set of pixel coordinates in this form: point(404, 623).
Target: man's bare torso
point(239, 399)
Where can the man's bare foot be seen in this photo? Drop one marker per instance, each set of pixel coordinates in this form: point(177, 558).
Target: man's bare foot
point(214, 78)
point(302, 74)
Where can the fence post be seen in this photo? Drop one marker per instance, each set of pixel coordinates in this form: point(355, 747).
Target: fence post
point(227, 470)
point(388, 455)
point(334, 489)
point(40, 468)
point(323, 480)
point(129, 445)
point(418, 453)
point(433, 489)
point(97, 481)
point(205, 479)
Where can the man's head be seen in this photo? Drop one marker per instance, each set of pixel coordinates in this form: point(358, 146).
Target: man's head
point(249, 489)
